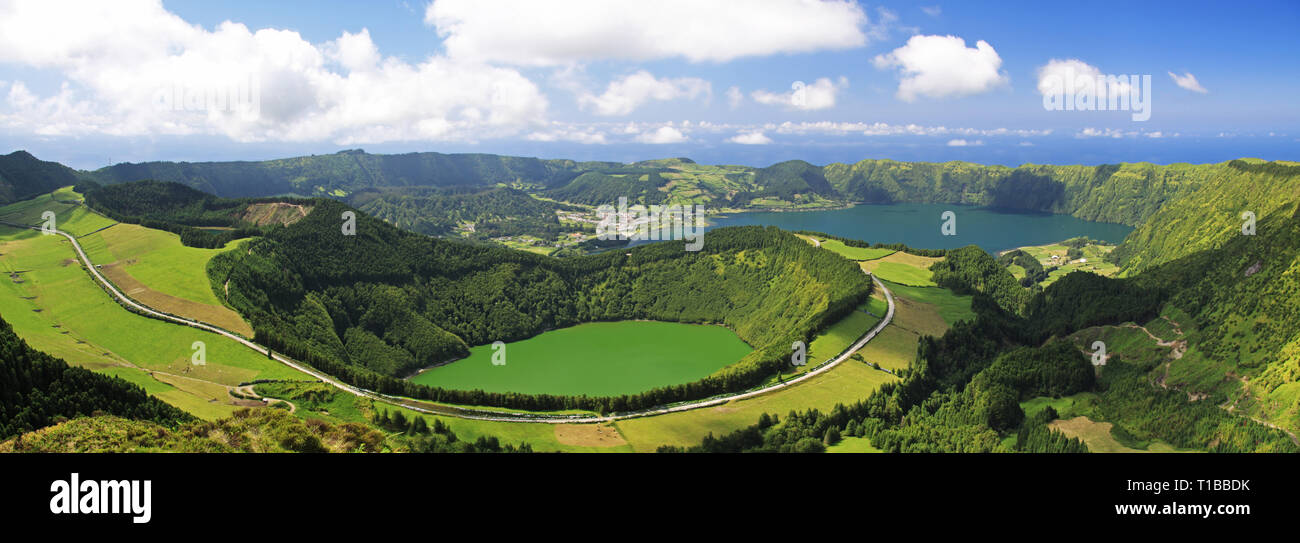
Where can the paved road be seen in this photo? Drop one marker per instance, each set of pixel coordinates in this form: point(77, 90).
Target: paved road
point(475, 414)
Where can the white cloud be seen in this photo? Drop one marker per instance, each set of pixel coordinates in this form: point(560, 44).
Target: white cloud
point(1073, 76)
point(750, 138)
point(1117, 133)
point(886, 129)
point(133, 68)
point(1188, 81)
point(663, 134)
point(527, 32)
point(625, 95)
point(942, 66)
point(933, 11)
point(964, 143)
point(584, 135)
point(819, 95)
point(735, 97)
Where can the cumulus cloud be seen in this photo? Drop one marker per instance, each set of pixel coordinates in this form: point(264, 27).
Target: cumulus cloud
point(1188, 81)
point(663, 134)
point(624, 95)
point(133, 68)
point(942, 66)
point(750, 138)
point(964, 143)
point(527, 32)
point(819, 95)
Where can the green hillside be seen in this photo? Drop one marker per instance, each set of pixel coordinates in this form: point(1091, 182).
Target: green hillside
point(23, 176)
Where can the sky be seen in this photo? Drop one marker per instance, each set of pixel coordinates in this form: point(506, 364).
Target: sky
point(754, 82)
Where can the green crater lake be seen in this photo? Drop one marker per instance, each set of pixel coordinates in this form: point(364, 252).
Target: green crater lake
point(917, 225)
point(596, 359)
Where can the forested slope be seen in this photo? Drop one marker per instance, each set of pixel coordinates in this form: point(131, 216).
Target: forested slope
point(1212, 215)
point(493, 212)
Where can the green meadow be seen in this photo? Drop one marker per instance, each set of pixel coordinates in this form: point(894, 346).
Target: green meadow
point(596, 359)
point(951, 307)
point(69, 215)
point(157, 259)
point(853, 445)
point(902, 268)
point(855, 253)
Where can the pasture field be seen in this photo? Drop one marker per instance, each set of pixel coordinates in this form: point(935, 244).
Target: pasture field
point(596, 359)
point(853, 445)
point(902, 268)
point(1093, 254)
point(1098, 437)
point(950, 307)
point(846, 383)
point(855, 253)
point(832, 341)
point(153, 267)
point(57, 308)
point(69, 215)
point(542, 437)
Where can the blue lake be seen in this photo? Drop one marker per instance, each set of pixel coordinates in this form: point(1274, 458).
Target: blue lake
point(918, 225)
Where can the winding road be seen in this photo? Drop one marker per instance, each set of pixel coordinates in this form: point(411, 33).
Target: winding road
point(475, 414)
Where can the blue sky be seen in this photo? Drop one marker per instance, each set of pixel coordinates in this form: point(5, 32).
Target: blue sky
point(932, 81)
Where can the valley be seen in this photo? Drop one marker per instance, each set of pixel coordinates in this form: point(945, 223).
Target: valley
point(640, 384)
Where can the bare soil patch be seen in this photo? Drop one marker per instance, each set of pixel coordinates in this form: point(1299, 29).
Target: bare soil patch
point(589, 435)
point(218, 315)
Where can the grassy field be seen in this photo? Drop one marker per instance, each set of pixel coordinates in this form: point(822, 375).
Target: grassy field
point(542, 437)
point(950, 307)
point(846, 383)
point(56, 307)
point(855, 253)
point(853, 445)
point(835, 339)
point(1093, 260)
point(596, 359)
point(153, 267)
point(69, 215)
point(902, 268)
point(1098, 437)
